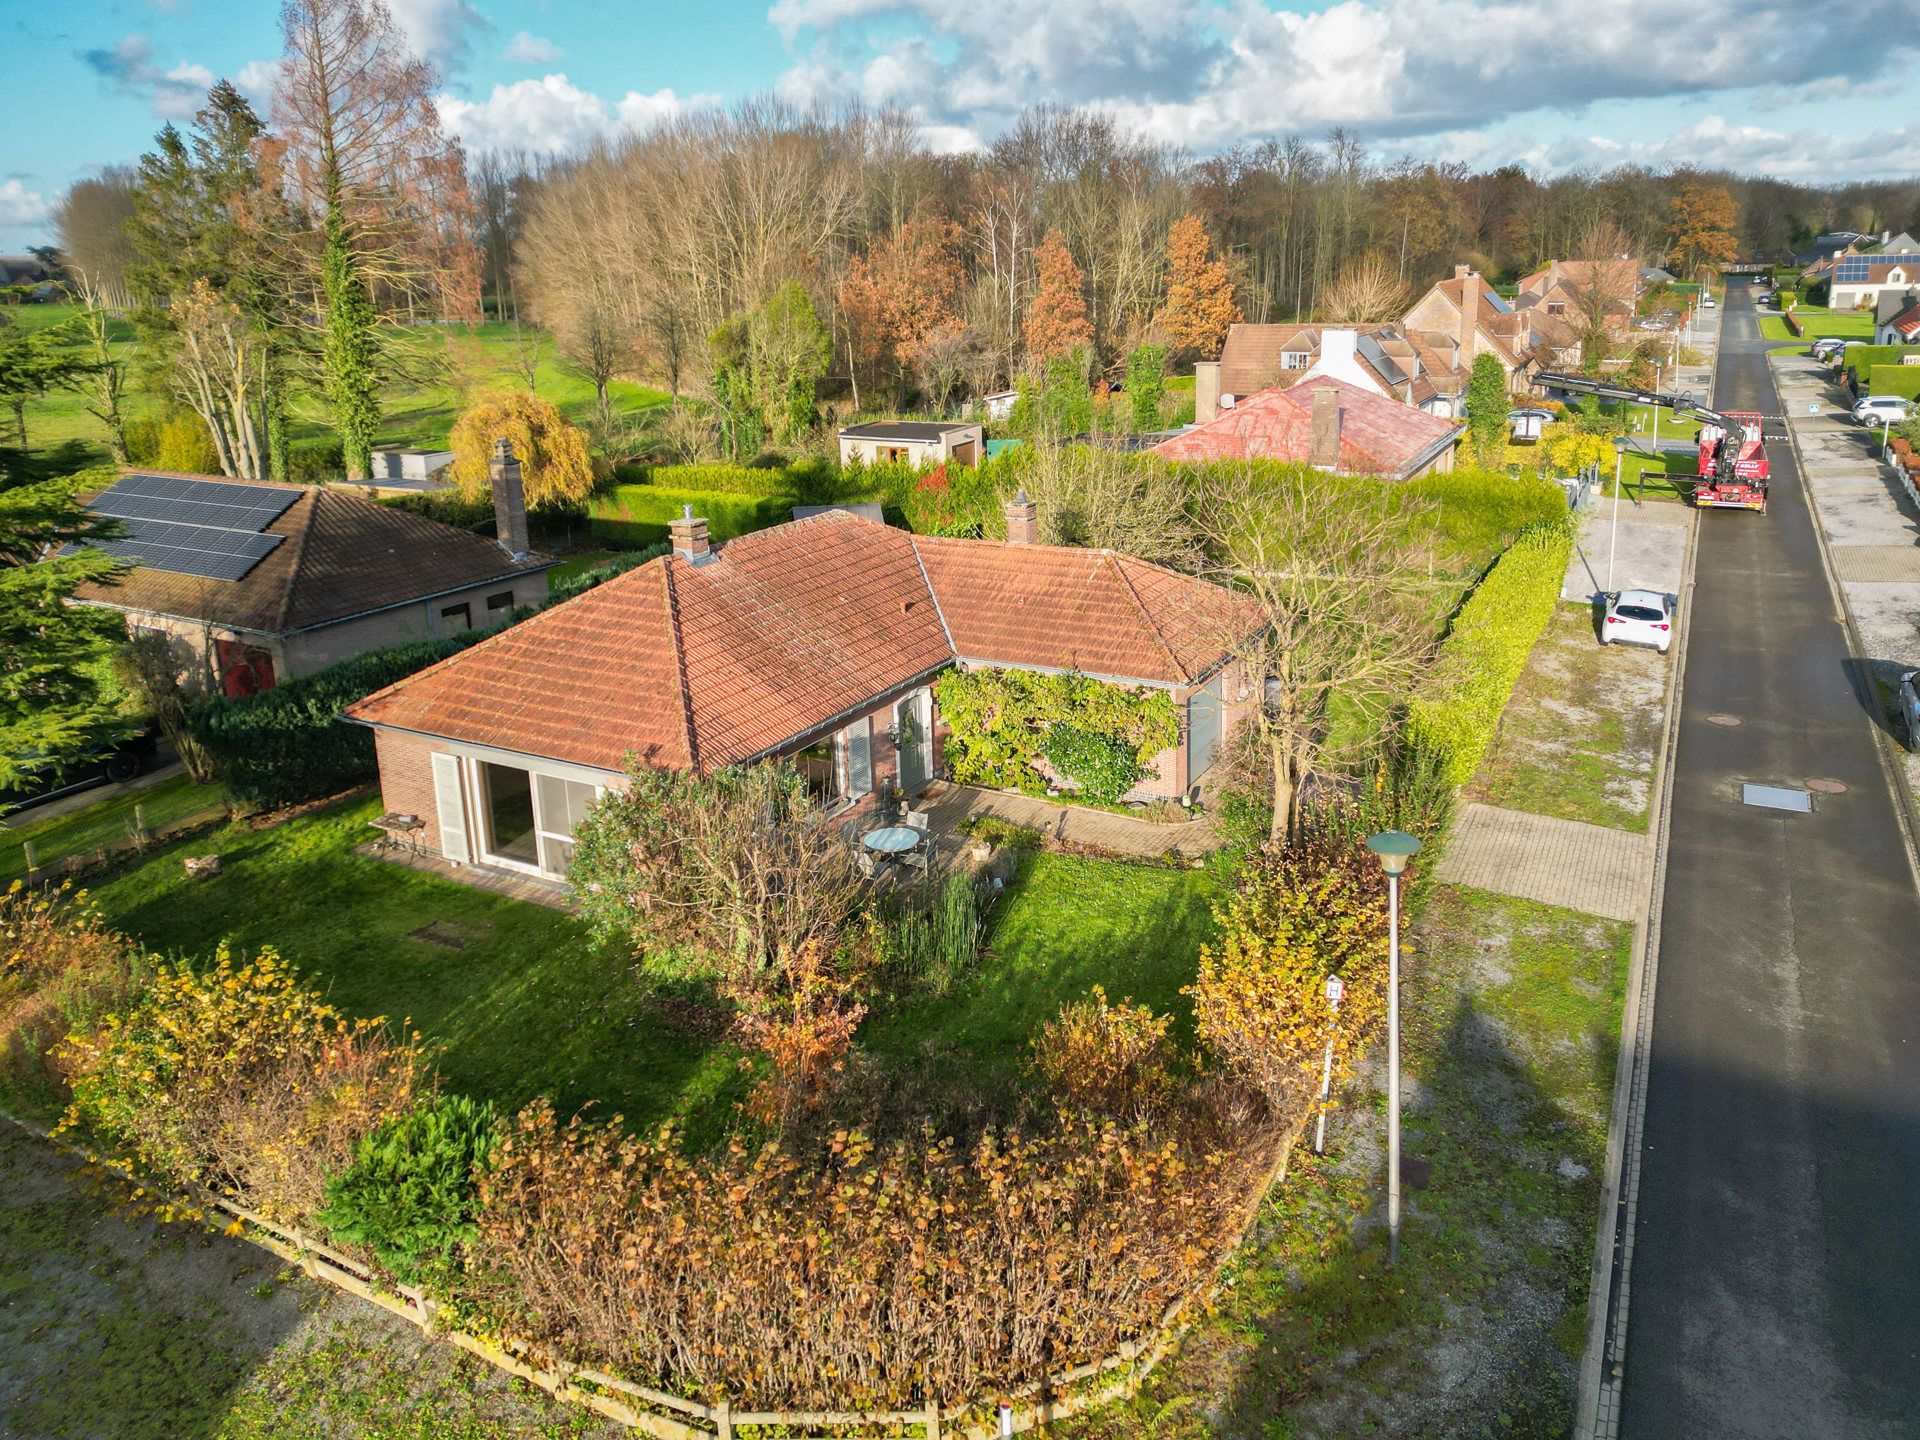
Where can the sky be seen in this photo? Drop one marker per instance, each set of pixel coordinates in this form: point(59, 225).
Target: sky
point(1805, 92)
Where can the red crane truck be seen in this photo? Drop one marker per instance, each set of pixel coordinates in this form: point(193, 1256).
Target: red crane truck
point(1730, 466)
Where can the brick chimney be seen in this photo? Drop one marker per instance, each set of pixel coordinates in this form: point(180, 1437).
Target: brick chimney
point(1323, 443)
point(1469, 311)
point(509, 501)
point(1206, 391)
point(1023, 520)
point(688, 532)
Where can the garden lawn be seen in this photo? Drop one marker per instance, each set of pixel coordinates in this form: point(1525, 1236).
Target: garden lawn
point(519, 999)
point(1512, 1014)
point(1066, 924)
point(100, 824)
point(1578, 738)
point(1666, 477)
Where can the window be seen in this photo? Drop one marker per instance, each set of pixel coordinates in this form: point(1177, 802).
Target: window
point(563, 805)
point(894, 454)
point(1293, 359)
point(502, 601)
point(1556, 307)
point(457, 617)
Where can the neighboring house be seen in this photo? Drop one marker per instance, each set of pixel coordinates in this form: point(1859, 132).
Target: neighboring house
point(1326, 423)
point(998, 405)
point(417, 466)
point(258, 582)
point(1651, 275)
point(1901, 244)
point(26, 270)
point(1562, 280)
point(816, 641)
point(1459, 319)
point(1896, 319)
point(917, 442)
point(1826, 247)
point(1857, 282)
point(1379, 358)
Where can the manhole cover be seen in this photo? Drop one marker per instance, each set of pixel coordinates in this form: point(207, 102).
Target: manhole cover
point(1727, 720)
point(1777, 797)
point(1828, 787)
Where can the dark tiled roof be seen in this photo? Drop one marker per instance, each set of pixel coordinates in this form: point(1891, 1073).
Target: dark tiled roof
point(342, 556)
point(903, 430)
point(795, 628)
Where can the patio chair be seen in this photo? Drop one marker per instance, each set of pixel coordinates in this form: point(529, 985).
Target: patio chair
point(866, 862)
point(917, 820)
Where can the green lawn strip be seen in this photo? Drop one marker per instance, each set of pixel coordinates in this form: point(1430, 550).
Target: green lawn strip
point(100, 824)
point(520, 1001)
point(1666, 477)
point(1578, 737)
point(578, 564)
point(1512, 1014)
point(1066, 924)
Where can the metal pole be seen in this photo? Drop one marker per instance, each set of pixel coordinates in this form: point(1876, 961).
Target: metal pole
point(1613, 541)
point(1334, 989)
point(1393, 1069)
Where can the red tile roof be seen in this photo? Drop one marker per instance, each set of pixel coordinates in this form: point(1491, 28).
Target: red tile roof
point(1907, 322)
point(1378, 436)
point(791, 629)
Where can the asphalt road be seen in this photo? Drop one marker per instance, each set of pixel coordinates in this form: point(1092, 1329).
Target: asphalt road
point(1776, 1269)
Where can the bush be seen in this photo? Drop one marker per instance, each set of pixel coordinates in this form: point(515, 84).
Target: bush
point(61, 971)
point(1000, 722)
point(554, 464)
point(849, 1276)
point(408, 1195)
point(289, 744)
point(585, 580)
point(241, 1079)
point(316, 460)
point(1902, 380)
point(1113, 1059)
point(802, 1020)
point(1099, 766)
point(449, 507)
point(640, 514)
point(936, 947)
point(172, 442)
point(1486, 649)
point(1316, 908)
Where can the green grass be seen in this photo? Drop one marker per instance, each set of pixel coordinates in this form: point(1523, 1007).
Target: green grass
point(528, 1007)
point(1578, 738)
point(100, 824)
point(574, 565)
point(1665, 477)
point(1065, 925)
point(1818, 323)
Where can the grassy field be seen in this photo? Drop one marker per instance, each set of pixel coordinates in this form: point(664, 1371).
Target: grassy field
point(448, 364)
point(1818, 324)
point(1578, 737)
point(82, 830)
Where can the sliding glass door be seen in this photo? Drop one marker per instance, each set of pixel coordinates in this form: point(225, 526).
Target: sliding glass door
point(530, 817)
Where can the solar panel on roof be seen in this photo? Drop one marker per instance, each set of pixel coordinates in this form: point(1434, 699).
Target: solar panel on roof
point(188, 526)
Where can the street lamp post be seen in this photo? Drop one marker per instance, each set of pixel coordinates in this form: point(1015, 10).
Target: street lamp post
point(1395, 848)
point(1613, 537)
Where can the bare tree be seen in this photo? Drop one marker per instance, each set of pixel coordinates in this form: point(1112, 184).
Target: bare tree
point(220, 370)
point(524, 354)
point(91, 221)
point(1090, 495)
point(1337, 576)
point(597, 341)
point(1367, 292)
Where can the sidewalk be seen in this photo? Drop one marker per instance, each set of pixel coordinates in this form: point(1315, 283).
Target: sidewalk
point(1589, 868)
point(1648, 552)
point(1871, 525)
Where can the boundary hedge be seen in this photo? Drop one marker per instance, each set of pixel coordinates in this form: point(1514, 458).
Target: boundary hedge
point(1901, 380)
point(1487, 648)
point(639, 514)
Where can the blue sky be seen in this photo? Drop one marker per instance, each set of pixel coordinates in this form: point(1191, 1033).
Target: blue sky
point(1803, 92)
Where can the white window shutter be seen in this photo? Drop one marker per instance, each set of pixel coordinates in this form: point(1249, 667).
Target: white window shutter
point(452, 809)
point(859, 746)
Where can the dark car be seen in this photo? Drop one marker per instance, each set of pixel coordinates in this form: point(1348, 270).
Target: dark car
point(112, 756)
point(1908, 695)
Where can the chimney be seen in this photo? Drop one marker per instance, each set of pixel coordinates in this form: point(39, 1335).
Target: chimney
point(1023, 519)
point(688, 532)
point(1469, 311)
point(1337, 351)
point(1206, 391)
point(509, 501)
point(1323, 444)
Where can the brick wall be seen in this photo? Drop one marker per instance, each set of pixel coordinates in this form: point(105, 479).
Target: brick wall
point(315, 649)
point(406, 779)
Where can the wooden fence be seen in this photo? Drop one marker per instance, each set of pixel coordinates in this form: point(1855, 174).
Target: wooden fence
point(673, 1417)
point(138, 838)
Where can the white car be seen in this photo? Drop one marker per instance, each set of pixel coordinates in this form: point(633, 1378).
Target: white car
point(1706, 303)
point(1639, 617)
point(1879, 409)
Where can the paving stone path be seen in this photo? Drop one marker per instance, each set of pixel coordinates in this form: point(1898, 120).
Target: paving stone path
point(1590, 868)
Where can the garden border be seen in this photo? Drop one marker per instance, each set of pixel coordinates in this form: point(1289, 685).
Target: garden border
point(1027, 1407)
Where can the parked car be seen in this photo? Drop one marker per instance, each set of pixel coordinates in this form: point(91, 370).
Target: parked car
point(1880, 409)
point(1826, 349)
point(1707, 302)
point(1639, 617)
point(1908, 695)
point(112, 756)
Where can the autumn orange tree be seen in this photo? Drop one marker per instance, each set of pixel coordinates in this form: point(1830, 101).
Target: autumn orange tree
point(1057, 322)
point(1200, 304)
point(554, 464)
point(900, 301)
point(1701, 234)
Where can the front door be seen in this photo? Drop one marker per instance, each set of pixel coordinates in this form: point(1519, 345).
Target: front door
point(912, 716)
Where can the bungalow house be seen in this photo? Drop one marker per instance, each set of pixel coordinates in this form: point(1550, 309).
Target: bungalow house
point(1327, 423)
point(1379, 358)
point(259, 582)
point(917, 442)
point(1857, 282)
point(1896, 319)
point(816, 641)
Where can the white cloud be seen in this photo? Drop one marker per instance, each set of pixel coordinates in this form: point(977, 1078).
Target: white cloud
point(526, 48)
point(129, 67)
point(21, 206)
point(553, 116)
point(442, 31)
point(255, 81)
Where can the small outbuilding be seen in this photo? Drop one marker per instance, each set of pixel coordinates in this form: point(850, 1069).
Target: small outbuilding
point(914, 442)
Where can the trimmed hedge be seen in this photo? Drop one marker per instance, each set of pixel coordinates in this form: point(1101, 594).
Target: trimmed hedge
point(290, 744)
point(1902, 380)
point(639, 514)
point(1486, 650)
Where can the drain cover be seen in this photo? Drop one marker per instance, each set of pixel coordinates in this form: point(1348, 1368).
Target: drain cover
point(1777, 797)
point(1727, 720)
point(1828, 787)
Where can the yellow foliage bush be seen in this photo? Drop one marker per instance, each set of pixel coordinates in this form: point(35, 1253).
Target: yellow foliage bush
point(1570, 450)
point(554, 464)
point(1095, 1055)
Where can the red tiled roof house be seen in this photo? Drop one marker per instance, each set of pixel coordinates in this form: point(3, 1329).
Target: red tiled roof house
point(1325, 423)
point(816, 641)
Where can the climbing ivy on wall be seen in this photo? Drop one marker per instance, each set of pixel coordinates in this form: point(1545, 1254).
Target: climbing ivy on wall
point(1000, 722)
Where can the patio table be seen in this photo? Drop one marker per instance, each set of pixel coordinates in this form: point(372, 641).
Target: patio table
point(892, 839)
